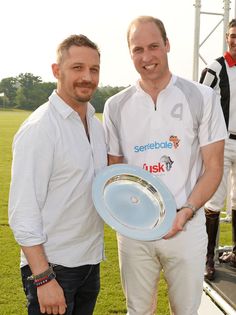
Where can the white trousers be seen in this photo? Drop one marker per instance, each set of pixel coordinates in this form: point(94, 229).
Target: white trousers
point(217, 202)
point(182, 259)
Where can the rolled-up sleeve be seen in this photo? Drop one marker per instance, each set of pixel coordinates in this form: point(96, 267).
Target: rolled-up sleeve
point(31, 169)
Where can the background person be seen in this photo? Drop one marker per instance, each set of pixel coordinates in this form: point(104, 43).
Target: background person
point(56, 154)
point(162, 107)
point(221, 76)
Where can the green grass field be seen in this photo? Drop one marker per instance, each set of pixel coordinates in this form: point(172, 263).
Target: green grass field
point(12, 300)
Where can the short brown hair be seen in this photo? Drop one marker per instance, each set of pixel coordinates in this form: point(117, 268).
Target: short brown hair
point(145, 19)
point(74, 40)
point(232, 23)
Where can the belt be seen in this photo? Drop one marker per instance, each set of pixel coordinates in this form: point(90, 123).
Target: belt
point(232, 136)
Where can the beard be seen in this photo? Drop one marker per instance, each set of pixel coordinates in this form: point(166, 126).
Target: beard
point(84, 95)
point(83, 99)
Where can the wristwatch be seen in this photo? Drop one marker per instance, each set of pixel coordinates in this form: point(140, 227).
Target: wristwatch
point(190, 206)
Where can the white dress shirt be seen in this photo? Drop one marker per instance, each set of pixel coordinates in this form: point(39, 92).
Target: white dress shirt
point(53, 167)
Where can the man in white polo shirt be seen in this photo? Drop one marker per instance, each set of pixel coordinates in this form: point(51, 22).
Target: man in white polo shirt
point(175, 129)
point(56, 154)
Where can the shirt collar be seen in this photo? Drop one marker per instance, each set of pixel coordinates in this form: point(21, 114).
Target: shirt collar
point(231, 62)
point(64, 109)
point(171, 82)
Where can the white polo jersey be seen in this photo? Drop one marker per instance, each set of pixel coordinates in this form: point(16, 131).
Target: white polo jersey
point(165, 138)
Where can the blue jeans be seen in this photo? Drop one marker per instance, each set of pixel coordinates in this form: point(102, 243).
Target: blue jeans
point(81, 286)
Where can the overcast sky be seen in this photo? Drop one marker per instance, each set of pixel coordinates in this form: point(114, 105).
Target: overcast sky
point(31, 30)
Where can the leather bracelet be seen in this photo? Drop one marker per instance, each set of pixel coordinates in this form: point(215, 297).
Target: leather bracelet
point(41, 275)
point(42, 281)
point(190, 206)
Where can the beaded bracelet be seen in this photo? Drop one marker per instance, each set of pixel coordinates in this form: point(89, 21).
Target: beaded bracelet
point(44, 280)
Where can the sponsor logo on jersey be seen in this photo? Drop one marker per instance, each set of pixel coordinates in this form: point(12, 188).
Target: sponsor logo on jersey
point(175, 140)
point(156, 145)
point(161, 167)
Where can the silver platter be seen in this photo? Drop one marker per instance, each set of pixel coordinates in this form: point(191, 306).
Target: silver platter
point(134, 202)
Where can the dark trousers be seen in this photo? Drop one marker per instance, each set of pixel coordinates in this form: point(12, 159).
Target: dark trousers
point(81, 286)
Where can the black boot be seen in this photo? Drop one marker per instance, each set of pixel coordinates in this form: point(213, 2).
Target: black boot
point(212, 223)
point(233, 259)
point(230, 257)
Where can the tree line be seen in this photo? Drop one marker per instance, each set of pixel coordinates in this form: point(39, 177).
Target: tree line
point(27, 91)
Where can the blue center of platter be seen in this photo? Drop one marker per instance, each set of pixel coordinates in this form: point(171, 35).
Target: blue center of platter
point(132, 204)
